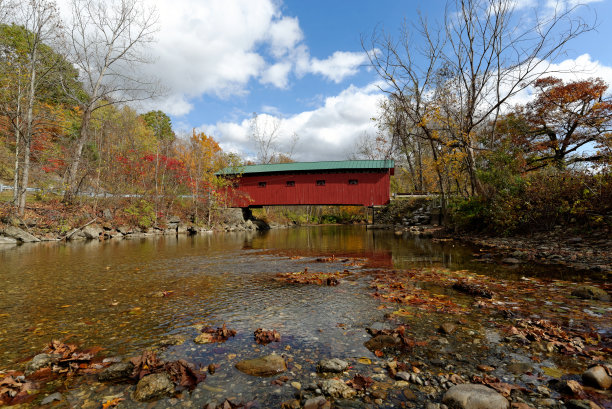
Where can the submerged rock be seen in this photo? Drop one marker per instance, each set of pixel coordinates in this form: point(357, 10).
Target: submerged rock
point(268, 365)
point(41, 361)
point(383, 341)
point(116, 371)
point(153, 386)
point(317, 403)
point(590, 292)
point(471, 396)
point(332, 365)
point(597, 377)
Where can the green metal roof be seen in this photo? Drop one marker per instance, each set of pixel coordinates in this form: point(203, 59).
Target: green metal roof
point(310, 166)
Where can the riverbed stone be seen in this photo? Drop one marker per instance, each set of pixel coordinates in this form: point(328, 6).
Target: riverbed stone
point(382, 341)
point(581, 404)
point(336, 388)
point(597, 377)
point(447, 328)
point(472, 396)
point(41, 361)
point(589, 292)
point(116, 371)
point(317, 403)
point(152, 387)
point(332, 365)
point(20, 235)
point(52, 398)
point(268, 365)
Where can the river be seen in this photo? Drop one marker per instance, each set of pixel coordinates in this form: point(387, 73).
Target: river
point(108, 294)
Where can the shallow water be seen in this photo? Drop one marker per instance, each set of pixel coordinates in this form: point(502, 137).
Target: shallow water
point(101, 294)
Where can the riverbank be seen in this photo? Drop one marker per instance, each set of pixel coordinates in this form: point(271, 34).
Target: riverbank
point(52, 222)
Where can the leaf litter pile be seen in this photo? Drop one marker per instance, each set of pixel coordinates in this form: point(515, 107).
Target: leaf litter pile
point(308, 277)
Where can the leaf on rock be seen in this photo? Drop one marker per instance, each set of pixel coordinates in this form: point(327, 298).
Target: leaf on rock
point(360, 382)
point(264, 337)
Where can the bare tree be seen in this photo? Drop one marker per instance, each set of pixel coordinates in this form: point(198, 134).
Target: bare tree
point(452, 81)
point(37, 21)
point(107, 42)
point(265, 133)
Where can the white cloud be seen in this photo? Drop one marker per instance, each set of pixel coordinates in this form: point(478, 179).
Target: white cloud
point(339, 66)
point(217, 47)
point(328, 132)
point(277, 74)
point(284, 35)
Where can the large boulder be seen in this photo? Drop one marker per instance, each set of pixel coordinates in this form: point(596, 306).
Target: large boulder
point(152, 387)
point(590, 292)
point(20, 235)
point(268, 365)
point(92, 232)
point(472, 396)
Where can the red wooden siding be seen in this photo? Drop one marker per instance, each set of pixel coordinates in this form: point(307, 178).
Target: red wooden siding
point(372, 189)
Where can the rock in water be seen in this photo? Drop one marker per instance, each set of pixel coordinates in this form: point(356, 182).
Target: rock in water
point(20, 235)
point(332, 365)
point(268, 365)
point(41, 361)
point(471, 396)
point(116, 371)
point(153, 386)
point(337, 389)
point(597, 377)
point(590, 292)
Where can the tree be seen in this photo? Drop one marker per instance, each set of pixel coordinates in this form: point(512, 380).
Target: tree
point(161, 125)
point(265, 133)
point(26, 70)
point(107, 42)
point(453, 81)
point(202, 157)
point(562, 119)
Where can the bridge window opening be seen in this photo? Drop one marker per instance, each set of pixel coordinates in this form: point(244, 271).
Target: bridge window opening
point(262, 184)
point(353, 182)
point(320, 183)
point(290, 183)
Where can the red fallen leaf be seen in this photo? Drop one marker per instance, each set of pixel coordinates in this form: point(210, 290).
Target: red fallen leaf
point(280, 381)
point(146, 364)
point(219, 334)
point(360, 382)
point(59, 348)
point(264, 337)
point(230, 405)
point(184, 374)
point(378, 353)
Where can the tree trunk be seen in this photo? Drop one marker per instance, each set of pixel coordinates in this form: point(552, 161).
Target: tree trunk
point(71, 177)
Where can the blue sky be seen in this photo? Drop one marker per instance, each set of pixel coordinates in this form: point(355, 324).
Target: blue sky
point(300, 63)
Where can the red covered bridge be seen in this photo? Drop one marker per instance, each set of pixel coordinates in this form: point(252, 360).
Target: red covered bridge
point(352, 182)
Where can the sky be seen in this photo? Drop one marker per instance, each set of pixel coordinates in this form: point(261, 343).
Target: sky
point(301, 63)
